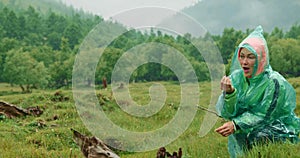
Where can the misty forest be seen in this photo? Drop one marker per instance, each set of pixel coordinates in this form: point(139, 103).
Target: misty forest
point(41, 49)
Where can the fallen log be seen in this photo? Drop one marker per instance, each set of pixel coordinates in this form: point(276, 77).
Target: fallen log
point(12, 111)
point(92, 147)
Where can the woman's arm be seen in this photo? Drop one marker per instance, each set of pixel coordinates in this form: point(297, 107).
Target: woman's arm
point(226, 105)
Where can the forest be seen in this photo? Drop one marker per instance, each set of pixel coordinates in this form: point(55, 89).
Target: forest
point(38, 50)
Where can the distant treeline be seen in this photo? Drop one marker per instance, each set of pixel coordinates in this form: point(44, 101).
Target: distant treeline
point(38, 50)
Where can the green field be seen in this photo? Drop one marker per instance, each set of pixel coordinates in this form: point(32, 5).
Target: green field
point(49, 135)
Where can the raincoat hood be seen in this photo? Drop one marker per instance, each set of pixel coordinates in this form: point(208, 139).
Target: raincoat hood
point(256, 43)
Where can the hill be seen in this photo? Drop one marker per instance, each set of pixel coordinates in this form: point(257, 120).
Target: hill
point(42, 6)
point(216, 15)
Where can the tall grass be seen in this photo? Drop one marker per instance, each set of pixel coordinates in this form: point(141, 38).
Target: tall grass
point(50, 136)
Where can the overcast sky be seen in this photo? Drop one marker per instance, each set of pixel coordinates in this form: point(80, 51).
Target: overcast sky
point(108, 8)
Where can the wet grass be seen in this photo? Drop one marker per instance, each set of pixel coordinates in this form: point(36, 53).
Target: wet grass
point(49, 135)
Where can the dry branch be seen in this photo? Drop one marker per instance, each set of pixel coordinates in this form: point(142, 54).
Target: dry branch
point(12, 111)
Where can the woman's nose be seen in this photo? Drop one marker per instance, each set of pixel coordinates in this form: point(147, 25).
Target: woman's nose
point(245, 61)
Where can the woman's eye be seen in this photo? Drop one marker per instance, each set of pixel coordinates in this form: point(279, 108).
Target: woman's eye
point(251, 57)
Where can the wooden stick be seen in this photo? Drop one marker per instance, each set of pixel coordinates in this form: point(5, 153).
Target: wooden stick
point(205, 109)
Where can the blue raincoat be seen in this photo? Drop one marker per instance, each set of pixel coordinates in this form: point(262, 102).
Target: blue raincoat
point(262, 107)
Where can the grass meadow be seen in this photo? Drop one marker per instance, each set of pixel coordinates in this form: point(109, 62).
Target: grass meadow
point(49, 135)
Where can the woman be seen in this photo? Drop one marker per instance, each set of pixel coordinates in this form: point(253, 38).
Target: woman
point(258, 101)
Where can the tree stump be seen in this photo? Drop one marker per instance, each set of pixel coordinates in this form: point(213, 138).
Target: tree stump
point(92, 147)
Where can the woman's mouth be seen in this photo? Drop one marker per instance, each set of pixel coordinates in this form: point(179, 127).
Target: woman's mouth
point(246, 69)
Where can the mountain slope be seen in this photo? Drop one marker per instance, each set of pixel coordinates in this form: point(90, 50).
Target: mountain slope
point(215, 15)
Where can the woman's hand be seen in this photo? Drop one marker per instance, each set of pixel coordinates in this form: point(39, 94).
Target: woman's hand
point(226, 85)
point(226, 129)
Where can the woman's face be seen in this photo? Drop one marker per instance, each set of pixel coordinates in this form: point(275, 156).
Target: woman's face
point(247, 60)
